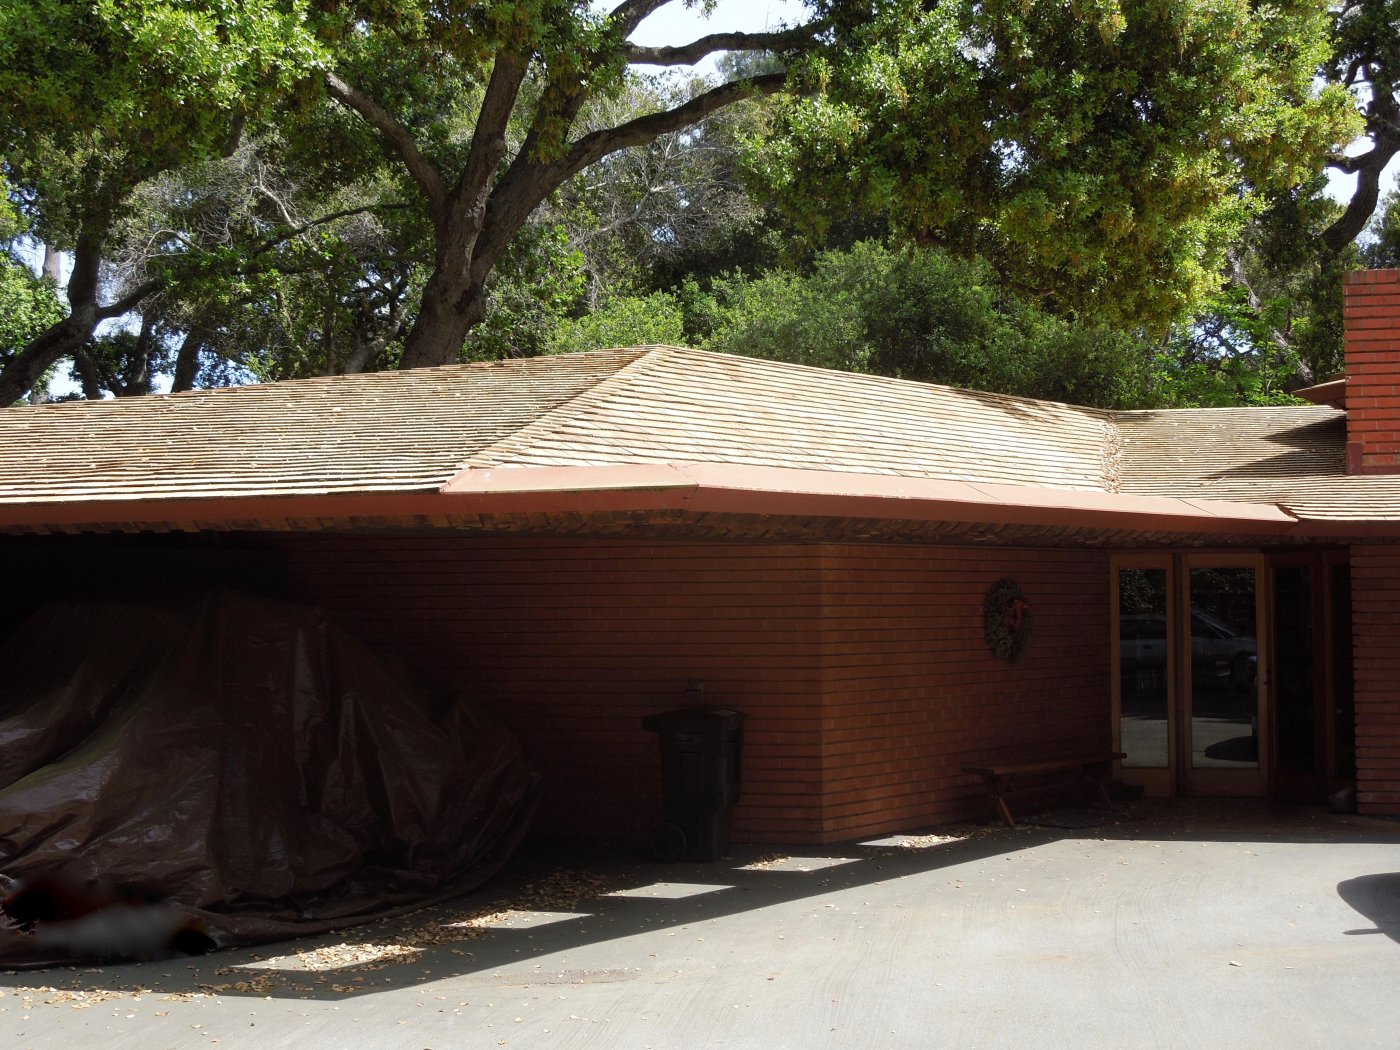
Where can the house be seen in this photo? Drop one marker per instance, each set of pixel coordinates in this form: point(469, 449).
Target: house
point(582, 541)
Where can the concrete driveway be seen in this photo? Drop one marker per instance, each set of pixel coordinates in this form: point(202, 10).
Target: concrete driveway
point(1189, 926)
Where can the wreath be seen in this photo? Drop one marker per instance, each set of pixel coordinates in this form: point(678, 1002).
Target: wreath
point(1006, 617)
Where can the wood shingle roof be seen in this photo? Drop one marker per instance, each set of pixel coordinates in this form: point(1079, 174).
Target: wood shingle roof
point(1290, 457)
point(380, 432)
point(433, 431)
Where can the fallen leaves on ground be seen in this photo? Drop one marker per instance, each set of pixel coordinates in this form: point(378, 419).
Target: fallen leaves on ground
point(310, 969)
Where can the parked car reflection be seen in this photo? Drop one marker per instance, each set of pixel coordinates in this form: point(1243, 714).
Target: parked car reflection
point(1219, 653)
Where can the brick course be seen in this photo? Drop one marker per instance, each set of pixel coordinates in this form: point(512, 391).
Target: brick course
point(1375, 572)
point(1372, 312)
point(862, 667)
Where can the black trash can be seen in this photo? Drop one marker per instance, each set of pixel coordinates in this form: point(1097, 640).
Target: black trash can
point(702, 749)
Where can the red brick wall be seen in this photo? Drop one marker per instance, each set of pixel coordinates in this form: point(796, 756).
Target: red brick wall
point(913, 693)
point(1375, 582)
point(572, 643)
point(1372, 312)
point(862, 668)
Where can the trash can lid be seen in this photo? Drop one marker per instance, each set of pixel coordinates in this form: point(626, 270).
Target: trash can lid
point(691, 716)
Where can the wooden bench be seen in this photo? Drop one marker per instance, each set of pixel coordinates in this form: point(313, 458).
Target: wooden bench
point(1000, 780)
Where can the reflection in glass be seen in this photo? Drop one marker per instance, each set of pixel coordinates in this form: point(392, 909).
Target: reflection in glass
point(1224, 669)
point(1142, 667)
point(1295, 709)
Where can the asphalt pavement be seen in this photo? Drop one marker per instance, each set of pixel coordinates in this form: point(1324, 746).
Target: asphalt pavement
point(1232, 925)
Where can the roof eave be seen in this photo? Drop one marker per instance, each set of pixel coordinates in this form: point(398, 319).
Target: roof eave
point(1332, 393)
point(697, 489)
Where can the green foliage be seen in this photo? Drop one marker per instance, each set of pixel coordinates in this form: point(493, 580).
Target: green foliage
point(286, 258)
point(28, 305)
point(97, 95)
point(922, 315)
point(1102, 155)
point(539, 284)
point(1382, 249)
point(1296, 285)
point(647, 217)
point(1277, 323)
point(1183, 375)
point(628, 320)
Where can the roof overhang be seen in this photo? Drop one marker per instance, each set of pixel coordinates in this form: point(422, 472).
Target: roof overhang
point(1332, 393)
point(690, 489)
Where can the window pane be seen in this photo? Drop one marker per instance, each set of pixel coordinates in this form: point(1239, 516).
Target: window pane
point(1142, 667)
point(1224, 678)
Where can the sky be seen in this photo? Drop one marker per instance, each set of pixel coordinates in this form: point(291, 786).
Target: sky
point(677, 24)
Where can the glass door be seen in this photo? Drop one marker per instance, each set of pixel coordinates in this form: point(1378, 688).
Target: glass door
point(1143, 686)
point(1189, 669)
point(1221, 717)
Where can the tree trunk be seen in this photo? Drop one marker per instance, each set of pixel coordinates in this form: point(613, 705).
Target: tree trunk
point(450, 309)
point(53, 264)
point(86, 368)
point(39, 354)
point(187, 362)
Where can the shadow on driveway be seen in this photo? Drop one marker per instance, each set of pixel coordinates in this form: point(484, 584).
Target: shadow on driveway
point(1377, 897)
point(558, 898)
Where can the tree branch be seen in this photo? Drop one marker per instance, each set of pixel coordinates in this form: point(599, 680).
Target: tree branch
point(1367, 168)
point(90, 377)
point(130, 301)
point(689, 54)
point(527, 184)
point(427, 176)
point(641, 130)
point(1363, 202)
point(321, 220)
point(630, 13)
point(187, 361)
point(489, 136)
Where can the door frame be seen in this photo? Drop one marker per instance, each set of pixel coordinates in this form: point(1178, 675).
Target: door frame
point(1179, 778)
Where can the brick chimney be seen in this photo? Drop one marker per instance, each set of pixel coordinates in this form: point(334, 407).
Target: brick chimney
point(1372, 316)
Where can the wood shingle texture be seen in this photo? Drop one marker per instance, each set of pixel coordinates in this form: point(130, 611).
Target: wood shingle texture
point(435, 430)
point(381, 432)
point(687, 406)
point(1286, 456)
point(416, 430)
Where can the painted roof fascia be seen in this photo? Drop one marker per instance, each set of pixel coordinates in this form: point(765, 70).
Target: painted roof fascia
point(697, 489)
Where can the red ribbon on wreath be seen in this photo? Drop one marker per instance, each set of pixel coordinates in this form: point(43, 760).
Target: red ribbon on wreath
point(1015, 612)
point(1006, 618)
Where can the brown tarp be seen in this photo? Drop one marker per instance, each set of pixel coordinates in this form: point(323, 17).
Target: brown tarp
point(245, 760)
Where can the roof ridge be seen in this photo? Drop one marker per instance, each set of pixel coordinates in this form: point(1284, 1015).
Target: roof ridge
point(547, 421)
point(879, 380)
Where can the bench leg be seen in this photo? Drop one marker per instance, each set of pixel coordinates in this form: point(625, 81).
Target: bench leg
point(1000, 788)
point(1097, 774)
